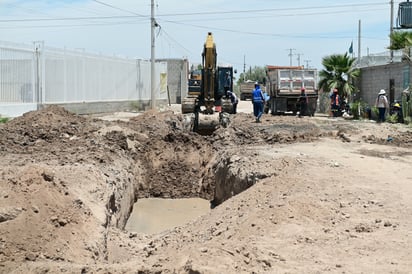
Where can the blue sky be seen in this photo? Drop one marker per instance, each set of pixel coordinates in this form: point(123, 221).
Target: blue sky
point(247, 33)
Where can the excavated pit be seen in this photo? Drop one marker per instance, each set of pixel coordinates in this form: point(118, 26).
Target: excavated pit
point(171, 162)
point(68, 184)
point(222, 178)
point(79, 177)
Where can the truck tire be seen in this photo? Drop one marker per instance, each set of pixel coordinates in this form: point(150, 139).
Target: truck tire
point(273, 109)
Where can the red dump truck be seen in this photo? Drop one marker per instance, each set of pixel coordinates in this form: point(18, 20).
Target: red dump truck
point(284, 84)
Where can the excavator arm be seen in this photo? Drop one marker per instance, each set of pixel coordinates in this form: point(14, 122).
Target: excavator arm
point(209, 60)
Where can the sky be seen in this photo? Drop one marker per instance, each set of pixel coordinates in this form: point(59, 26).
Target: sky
point(246, 33)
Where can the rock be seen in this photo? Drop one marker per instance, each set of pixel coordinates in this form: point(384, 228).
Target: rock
point(35, 209)
point(9, 213)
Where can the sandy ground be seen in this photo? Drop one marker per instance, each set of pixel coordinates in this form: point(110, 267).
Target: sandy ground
point(291, 195)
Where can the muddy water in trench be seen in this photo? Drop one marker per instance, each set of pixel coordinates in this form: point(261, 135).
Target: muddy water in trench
point(153, 215)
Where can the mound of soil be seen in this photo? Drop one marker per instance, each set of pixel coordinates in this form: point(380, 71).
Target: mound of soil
point(292, 195)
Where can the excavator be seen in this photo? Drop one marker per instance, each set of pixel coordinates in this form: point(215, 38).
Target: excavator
point(208, 102)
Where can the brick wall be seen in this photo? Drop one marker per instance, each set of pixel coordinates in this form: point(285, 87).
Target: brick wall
point(373, 79)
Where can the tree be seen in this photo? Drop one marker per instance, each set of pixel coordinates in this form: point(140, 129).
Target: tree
point(340, 73)
point(401, 40)
point(254, 74)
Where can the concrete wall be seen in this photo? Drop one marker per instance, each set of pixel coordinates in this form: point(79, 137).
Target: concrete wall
point(177, 78)
point(373, 79)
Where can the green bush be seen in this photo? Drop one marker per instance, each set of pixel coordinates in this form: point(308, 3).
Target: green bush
point(3, 120)
point(392, 118)
point(375, 111)
point(357, 109)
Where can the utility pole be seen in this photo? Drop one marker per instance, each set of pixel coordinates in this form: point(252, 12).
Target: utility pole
point(391, 31)
point(290, 55)
point(244, 68)
point(152, 59)
point(359, 42)
point(298, 54)
point(307, 63)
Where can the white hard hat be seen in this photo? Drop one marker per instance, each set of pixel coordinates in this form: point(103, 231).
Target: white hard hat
point(382, 91)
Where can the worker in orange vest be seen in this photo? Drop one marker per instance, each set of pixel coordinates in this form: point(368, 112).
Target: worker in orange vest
point(335, 103)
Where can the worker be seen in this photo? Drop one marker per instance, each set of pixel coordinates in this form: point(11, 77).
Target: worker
point(382, 104)
point(257, 100)
point(266, 104)
point(228, 83)
point(234, 100)
point(303, 102)
point(335, 103)
point(397, 110)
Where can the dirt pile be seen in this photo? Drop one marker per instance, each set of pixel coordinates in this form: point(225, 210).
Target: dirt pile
point(323, 196)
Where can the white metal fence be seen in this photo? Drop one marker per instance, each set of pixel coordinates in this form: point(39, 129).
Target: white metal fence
point(34, 76)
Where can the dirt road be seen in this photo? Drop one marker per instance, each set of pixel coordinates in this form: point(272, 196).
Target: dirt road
point(292, 195)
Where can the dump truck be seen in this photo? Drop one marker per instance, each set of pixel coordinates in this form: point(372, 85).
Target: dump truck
point(284, 84)
point(245, 89)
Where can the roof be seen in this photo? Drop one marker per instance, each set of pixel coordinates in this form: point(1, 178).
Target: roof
point(283, 67)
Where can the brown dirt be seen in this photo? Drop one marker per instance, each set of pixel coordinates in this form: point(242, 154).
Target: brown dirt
point(292, 195)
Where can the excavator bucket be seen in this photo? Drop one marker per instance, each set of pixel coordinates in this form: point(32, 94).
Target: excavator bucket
point(207, 123)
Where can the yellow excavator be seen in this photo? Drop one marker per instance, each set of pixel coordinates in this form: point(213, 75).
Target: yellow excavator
point(210, 103)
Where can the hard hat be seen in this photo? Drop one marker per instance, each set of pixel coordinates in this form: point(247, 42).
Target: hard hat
point(256, 83)
point(397, 105)
point(382, 92)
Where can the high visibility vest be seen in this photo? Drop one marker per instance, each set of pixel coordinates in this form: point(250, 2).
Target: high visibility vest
point(257, 95)
point(335, 100)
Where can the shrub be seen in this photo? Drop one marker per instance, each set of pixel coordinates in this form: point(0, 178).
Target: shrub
point(375, 111)
point(392, 118)
point(4, 120)
point(358, 109)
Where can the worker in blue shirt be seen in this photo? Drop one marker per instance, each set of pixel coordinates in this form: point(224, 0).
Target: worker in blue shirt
point(258, 100)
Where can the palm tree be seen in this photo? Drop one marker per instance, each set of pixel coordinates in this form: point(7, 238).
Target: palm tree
point(339, 72)
point(401, 40)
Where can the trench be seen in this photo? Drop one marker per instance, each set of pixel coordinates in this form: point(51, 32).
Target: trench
point(143, 203)
point(151, 214)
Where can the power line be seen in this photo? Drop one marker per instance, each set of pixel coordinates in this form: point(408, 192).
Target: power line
point(117, 8)
point(191, 14)
point(169, 37)
point(368, 5)
point(69, 18)
point(75, 25)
